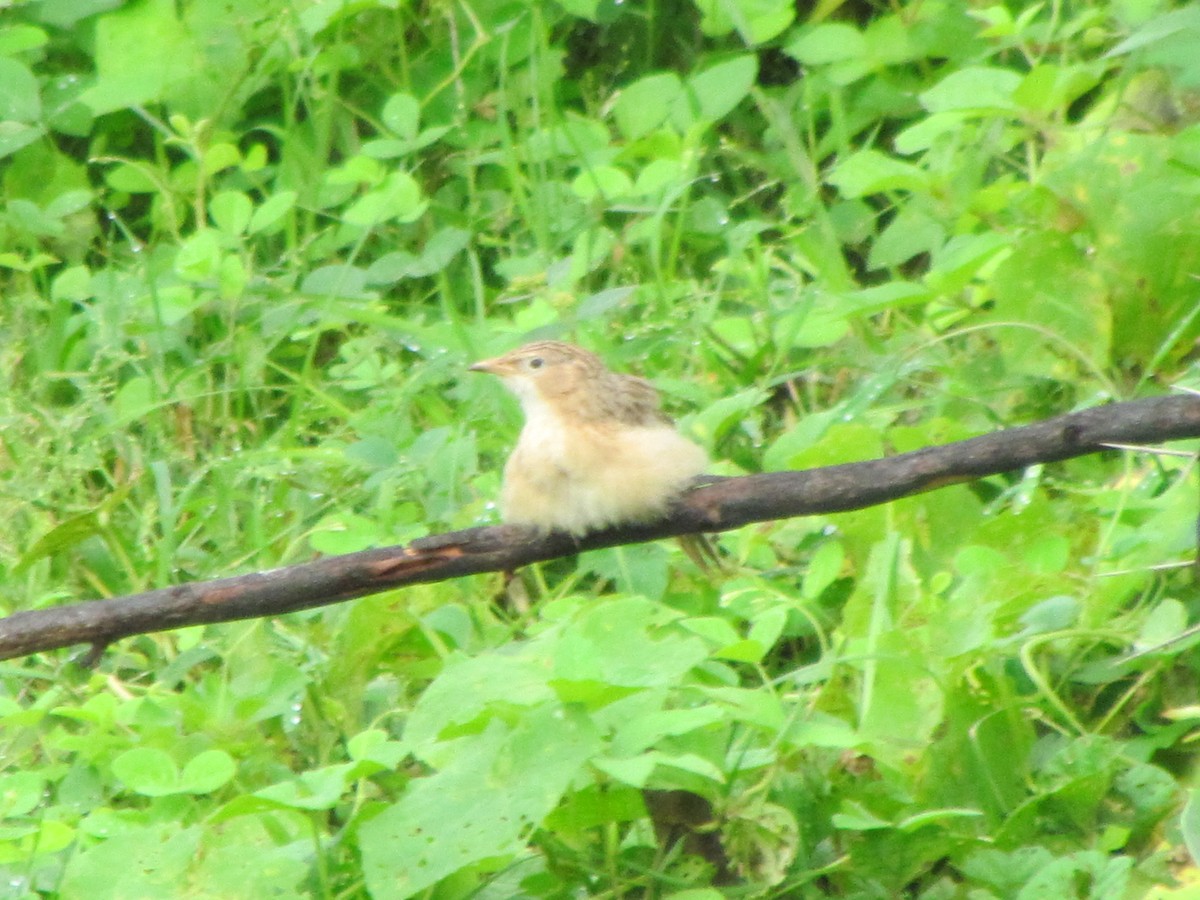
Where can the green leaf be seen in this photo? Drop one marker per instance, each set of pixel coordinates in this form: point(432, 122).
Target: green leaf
point(1053, 614)
point(644, 730)
point(829, 43)
point(134, 179)
point(19, 99)
point(17, 39)
point(756, 21)
point(335, 281)
point(402, 115)
point(911, 233)
point(207, 771)
point(147, 771)
point(140, 49)
point(644, 105)
point(316, 789)
point(220, 156)
point(437, 254)
point(1160, 28)
point(199, 257)
point(70, 532)
point(497, 788)
point(230, 211)
point(635, 570)
point(637, 771)
point(15, 135)
point(661, 177)
point(823, 568)
point(605, 183)
point(871, 172)
point(1165, 622)
point(466, 688)
point(722, 416)
point(976, 88)
point(143, 861)
point(398, 198)
point(271, 210)
point(1189, 825)
point(20, 793)
point(623, 642)
point(721, 87)
point(374, 745)
point(1049, 284)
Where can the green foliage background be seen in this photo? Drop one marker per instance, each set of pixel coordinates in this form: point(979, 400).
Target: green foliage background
point(246, 252)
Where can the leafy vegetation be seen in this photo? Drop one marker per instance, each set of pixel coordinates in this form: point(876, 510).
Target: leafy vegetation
point(246, 252)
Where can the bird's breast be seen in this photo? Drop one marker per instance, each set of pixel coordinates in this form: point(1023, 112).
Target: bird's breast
point(583, 476)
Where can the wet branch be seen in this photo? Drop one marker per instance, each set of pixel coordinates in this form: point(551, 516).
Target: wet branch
point(718, 504)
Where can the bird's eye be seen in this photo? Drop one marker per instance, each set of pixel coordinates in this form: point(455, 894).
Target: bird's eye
point(536, 362)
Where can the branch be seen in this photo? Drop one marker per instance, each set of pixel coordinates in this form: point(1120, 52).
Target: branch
point(718, 504)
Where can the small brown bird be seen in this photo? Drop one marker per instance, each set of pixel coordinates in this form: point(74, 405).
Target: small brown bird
point(596, 449)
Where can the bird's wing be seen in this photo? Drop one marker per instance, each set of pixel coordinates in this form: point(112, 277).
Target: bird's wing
point(635, 402)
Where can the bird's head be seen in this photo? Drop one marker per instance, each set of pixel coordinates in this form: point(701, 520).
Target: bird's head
point(546, 372)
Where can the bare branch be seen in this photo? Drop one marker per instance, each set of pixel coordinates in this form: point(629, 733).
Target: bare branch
point(715, 505)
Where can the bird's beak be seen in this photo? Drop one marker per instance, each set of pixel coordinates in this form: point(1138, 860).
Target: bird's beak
point(497, 365)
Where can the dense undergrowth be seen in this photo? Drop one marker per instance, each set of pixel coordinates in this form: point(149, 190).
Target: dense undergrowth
point(246, 253)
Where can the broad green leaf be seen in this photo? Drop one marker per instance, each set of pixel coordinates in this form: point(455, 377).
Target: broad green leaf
point(19, 98)
point(207, 771)
point(1047, 283)
point(402, 115)
point(466, 687)
point(16, 39)
point(640, 570)
point(823, 568)
point(1052, 614)
point(755, 21)
point(1047, 88)
point(722, 416)
point(20, 793)
point(398, 198)
point(147, 771)
point(623, 642)
point(136, 179)
point(220, 156)
point(820, 326)
point(15, 135)
point(199, 256)
point(374, 745)
point(1159, 28)
point(644, 105)
point(315, 789)
point(141, 48)
point(979, 88)
point(271, 210)
point(659, 177)
point(496, 789)
point(1166, 621)
point(643, 731)
point(871, 172)
point(720, 88)
point(231, 211)
point(912, 232)
point(828, 43)
point(335, 281)
point(144, 861)
point(437, 254)
point(603, 183)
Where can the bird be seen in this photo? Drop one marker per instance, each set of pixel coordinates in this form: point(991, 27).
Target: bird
point(596, 449)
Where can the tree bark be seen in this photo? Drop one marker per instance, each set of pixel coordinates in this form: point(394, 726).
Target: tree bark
point(716, 504)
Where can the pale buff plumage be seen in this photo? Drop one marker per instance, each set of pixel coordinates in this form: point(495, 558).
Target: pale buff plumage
point(595, 451)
